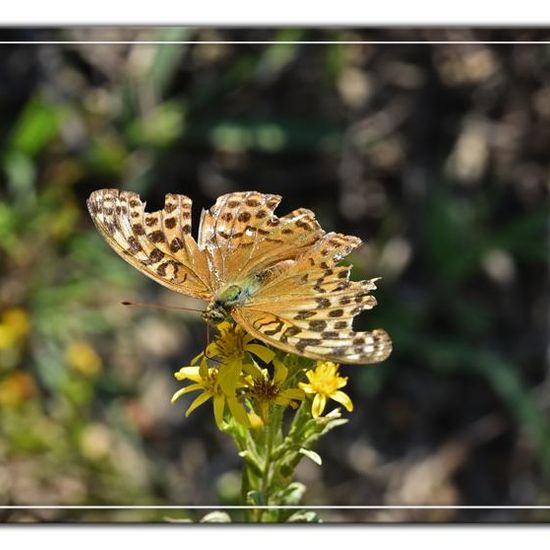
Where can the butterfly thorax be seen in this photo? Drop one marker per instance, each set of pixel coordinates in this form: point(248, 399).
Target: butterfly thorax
point(219, 309)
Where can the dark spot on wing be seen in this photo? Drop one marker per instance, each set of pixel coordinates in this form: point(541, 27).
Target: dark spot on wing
point(303, 315)
point(176, 244)
point(157, 236)
point(317, 325)
point(336, 313)
point(156, 255)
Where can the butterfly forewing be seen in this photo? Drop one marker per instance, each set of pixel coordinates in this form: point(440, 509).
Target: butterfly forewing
point(244, 237)
point(148, 241)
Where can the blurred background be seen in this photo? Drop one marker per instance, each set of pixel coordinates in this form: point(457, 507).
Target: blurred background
point(436, 155)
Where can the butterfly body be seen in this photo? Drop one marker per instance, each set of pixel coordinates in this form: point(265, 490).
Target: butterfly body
point(219, 309)
point(278, 277)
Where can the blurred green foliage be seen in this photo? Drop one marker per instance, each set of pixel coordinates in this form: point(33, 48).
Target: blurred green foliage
point(436, 155)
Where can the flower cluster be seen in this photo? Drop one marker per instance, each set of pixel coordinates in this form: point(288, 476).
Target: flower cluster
point(246, 380)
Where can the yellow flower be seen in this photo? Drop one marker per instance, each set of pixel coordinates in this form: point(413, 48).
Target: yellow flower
point(14, 326)
point(83, 357)
point(233, 342)
point(234, 349)
point(266, 392)
point(207, 380)
point(16, 388)
point(324, 384)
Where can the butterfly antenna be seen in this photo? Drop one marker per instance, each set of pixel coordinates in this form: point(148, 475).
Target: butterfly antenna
point(207, 344)
point(158, 306)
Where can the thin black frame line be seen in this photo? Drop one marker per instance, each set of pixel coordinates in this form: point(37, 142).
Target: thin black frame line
point(267, 42)
point(269, 507)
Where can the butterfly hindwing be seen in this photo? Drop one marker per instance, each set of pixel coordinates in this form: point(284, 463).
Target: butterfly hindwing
point(317, 338)
point(309, 307)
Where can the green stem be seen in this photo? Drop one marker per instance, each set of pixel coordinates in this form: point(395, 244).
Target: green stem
point(263, 482)
point(267, 464)
point(271, 432)
point(245, 487)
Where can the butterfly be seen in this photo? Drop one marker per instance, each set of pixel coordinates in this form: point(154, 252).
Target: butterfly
point(277, 277)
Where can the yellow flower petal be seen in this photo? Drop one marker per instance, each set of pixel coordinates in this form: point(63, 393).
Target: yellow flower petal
point(187, 389)
point(342, 381)
point(188, 372)
point(196, 359)
point(280, 373)
point(318, 406)
point(219, 406)
point(199, 400)
point(228, 377)
point(310, 376)
point(224, 326)
point(212, 350)
point(281, 400)
point(203, 369)
point(343, 399)
point(264, 411)
point(255, 421)
point(292, 393)
point(252, 369)
point(306, 388)
point(238, 411)
point(265, 354)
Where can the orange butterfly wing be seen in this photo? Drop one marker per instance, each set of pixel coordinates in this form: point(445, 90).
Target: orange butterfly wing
point(159, 244)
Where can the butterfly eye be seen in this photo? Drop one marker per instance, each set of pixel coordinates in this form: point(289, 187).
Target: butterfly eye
point(215, 313)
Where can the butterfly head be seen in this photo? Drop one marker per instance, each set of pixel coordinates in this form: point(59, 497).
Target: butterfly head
point(215, 313)
point(219, 309)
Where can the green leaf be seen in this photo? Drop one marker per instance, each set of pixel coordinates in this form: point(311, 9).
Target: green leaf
point(333, 423)
point(169, 519)
point(312, 455)
point(303, 516)
point(107, 154)
point(263, 134)
point(254, 498)
point(277, 57)
point(160, 126)
point(292, 494)
point(167, 57)
point(252, 462)
point(525, 235)
point(37, 125)
point(216, 517)
point(21, 173)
